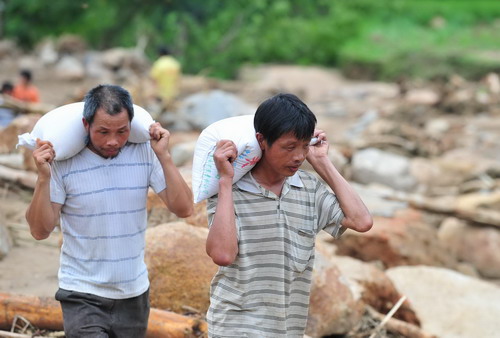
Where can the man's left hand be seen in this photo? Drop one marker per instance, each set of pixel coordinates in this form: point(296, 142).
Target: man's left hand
point(159, 139)
point(319, 149)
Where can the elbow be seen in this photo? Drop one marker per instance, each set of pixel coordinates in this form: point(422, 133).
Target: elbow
point(223, 260)
point(185, 212)
point(40, 235)
point(365, 224)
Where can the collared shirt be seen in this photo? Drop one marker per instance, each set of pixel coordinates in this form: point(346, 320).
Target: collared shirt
point(104, 219)
point(265, 292)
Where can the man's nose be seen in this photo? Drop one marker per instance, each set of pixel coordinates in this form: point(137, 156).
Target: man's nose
point(112, 141)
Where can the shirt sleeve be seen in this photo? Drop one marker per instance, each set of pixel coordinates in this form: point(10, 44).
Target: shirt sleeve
point(57, 191)
point(212, 206)
point(329, 211)
point(157, 181)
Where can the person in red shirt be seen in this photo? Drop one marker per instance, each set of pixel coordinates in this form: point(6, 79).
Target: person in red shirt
point(24, 90)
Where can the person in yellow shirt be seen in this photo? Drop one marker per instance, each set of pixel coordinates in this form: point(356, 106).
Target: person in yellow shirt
point(165, 72)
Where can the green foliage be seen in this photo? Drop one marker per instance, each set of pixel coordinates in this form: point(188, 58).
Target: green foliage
point(215, 37)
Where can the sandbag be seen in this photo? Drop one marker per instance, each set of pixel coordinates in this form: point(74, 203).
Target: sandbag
point(63, 127)
point(240, 130)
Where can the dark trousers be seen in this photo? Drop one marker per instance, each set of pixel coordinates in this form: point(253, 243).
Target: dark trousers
point(87, 315)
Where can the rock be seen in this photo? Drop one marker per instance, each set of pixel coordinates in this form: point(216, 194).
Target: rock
point(336, 157)
point(94, 68)
point(335, 306)
point(378, 291)
point(373, 197)
point(8, 135)
point(492, 82)
point(203, 109)
point(402, 240)
point(376, 166)
point(436, 128)
point(70, 44)
point(158, 212)
point(117, 58)
point(47, 52)
point(425, 97)
point(69, 68)
point(183, 153)
point(180, 271)
point(450, 304)
point(8, 48)
point(472, 244)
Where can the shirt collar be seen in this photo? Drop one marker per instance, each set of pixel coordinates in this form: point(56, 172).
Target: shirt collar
point(248, 183)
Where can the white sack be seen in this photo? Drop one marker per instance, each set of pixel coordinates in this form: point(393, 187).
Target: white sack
point(238, 129)
point(63, 127)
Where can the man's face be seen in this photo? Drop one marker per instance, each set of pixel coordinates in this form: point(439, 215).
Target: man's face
point(286, 154)
point(108, 133)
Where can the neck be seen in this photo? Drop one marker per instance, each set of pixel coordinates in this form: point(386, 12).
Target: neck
point(268, 178)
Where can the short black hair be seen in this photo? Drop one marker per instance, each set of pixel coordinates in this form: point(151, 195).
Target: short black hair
point(26, 73)
point(282, 114)
point(113, 99)
point(7, 87)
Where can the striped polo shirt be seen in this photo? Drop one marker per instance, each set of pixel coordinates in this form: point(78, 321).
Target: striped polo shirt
point(104, 219)
point(265, 292)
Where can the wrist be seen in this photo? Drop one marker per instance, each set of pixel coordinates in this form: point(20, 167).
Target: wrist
point(225, 181)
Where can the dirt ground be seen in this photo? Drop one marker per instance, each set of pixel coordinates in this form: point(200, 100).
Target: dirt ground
point(30, 268)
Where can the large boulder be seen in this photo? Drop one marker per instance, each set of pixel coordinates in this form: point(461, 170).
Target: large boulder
point(450, 304)
point(403, 240)
point(203, 109)
point(473, 244)
point(180, 271)
point(158, 212)
point(335, 305)
point(377, 166)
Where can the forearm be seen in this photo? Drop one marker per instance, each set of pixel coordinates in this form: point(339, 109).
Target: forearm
point(356, 215)
point(179, 197)
point(40, 214)
point(222, 240)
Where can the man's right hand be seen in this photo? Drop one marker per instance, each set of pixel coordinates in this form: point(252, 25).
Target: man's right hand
point(224, 156)
point(43, 155)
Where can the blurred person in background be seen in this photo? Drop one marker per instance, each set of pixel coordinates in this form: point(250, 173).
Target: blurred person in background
point(7, 114)
point(24, 90)
point(166, 72)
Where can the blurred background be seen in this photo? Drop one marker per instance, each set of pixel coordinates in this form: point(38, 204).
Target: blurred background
point(409, 95)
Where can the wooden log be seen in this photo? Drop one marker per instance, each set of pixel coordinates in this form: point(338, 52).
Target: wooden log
point(398, 326)
point(45, 313)
point(42, 312)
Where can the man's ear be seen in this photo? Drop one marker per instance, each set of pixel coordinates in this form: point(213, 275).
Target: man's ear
point(260, 139)
point(86, 125)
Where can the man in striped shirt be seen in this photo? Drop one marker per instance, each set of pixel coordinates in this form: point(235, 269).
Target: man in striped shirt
point(100, 197)
point(262, 228)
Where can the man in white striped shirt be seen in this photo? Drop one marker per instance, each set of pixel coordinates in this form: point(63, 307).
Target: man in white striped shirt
point(262, 228)
point(100, 197)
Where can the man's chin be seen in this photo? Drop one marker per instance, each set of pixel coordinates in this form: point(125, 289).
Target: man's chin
point(109, 154)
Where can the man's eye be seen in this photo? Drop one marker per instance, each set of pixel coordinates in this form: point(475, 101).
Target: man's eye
point(103, 132)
